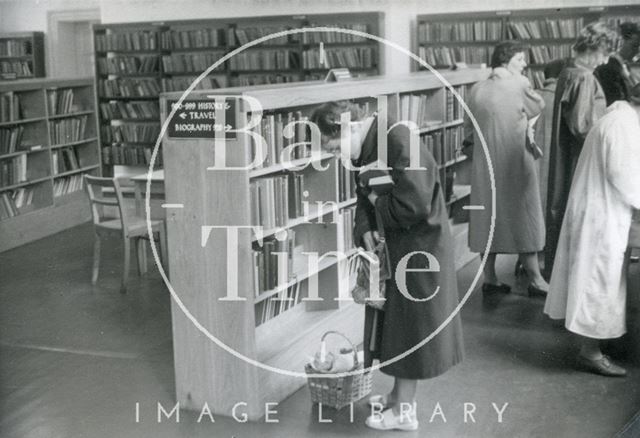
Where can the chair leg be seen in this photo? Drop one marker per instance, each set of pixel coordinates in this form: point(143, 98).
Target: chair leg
point(127, 262)
point(164, 254)
point(96, 259)
point(141, 255)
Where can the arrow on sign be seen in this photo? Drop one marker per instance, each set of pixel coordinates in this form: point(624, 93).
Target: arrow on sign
point(183, 116)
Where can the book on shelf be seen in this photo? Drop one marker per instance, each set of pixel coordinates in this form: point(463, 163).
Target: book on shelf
point(13, 170)
point(239, 36)
point(272, 127)
point(346, 218)
point(451, 145)
point(12, 201)
point(350, 57)
point(480, 30)
point(448, 56)
point(184, 82)
point(129, 110)
point(9, 107)
point(453, 106)
point(123, 65)
point(270, 201)
point(11, 139)
point(68, 130)
point(66, 185)
point(142, 132)
point(191, 62)
point(346, 184)
point(536, 78)
point(15, 47)
point(262, 79)
point(273, 262)
point(432, 143)
point(129, 155)
point(295, 195)
point(271, 59)
point(61, 102)
point(278, 304)
point(337, 37)
point(128, 87)
point(64, 160)
point(192, 39)
point(545, 28)
point(20, 68)
point(139, 40)
point(542, 54)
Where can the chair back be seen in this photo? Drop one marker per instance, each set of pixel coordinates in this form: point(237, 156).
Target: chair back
point(98, 200)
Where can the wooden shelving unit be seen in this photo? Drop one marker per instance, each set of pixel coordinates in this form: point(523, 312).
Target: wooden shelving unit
point(276, 333)
point(137, 61)
point(22, 55)
point(48, 140)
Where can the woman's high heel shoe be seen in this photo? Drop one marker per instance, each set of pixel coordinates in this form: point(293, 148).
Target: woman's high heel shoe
point(536, 292)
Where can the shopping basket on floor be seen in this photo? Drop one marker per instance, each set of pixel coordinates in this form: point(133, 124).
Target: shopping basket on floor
point(338, 392)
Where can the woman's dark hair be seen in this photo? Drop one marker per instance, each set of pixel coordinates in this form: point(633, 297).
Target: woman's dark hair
point(595, 36)
point(629, 29)
point(504, 51)
point(327, 116)
point(553, 68)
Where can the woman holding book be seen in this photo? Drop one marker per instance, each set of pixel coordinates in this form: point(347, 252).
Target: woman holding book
point(503, 106)
point(420, 297)
point(579, 103)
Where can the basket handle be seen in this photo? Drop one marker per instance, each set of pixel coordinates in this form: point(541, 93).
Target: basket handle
point(353, 347)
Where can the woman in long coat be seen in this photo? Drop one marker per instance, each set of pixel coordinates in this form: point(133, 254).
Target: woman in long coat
point(502, 105)
point(588, 285)
point(415, 220)
point(579, 103)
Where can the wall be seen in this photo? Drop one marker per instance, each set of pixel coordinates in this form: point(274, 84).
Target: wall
point(32, 14)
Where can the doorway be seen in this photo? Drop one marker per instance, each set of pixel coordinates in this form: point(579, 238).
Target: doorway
point(70, 43)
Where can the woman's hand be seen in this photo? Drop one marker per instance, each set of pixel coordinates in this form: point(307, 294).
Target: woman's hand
point(370, 239)
point(372, 198)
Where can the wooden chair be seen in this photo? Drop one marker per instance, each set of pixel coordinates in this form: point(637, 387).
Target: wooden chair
point(125, 224)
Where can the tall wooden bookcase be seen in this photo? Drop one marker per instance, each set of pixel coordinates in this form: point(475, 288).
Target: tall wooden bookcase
point(137, 61)
point(48, 140)
point(441, 40)
point(22, 55)
point(264, 328)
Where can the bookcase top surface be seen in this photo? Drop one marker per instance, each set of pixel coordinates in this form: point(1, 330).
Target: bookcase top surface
point(305, 93)
point(561, 12)
point(11, 35)
point(27, 84)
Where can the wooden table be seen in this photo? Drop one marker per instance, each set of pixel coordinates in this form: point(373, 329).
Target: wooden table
point(140, 181)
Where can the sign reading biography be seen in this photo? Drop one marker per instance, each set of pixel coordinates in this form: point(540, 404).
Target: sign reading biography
point(204, 118)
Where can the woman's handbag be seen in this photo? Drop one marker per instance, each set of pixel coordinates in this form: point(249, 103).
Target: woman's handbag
point(374, 270)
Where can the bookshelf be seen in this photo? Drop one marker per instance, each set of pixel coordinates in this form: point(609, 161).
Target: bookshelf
point(442, 40)
point(266, 327)
point(22, 55)
point(48, 140)
point(135, 62)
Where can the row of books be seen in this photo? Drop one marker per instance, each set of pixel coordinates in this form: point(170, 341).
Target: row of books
point(13, 170)
point(9, 107)
point(283, 59)
point(453, 107)
point(128, 155)
point(67, 184)
point(61, 101)
point(10, 139)
point(444, 148)
point(131, 133)
point(351, 57)
point(64, 160)
point(414, 108)
point(190, 63)
point(536, 78)
point(20, 68)
point(545, 28)
point(68, 130)
point(129, 110)
point(129, 87)
point(139, 40)
point(549, 52)
point(129, 65)
point(15, 48)
point(12, 202)
point(276, 78)
point(276, 199)
point(239, 36)
point(482, 30)
point(271, 270)
point(336, 37)
point(347, 217)
point(346, 184)
point(192, 39)
point(447, 56)
point(271, 128)
point(182, 83)
point(279, 303)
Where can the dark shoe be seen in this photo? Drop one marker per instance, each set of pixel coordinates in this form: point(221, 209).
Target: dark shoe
point(536, 292)
point(488, 288)
point(602, 366)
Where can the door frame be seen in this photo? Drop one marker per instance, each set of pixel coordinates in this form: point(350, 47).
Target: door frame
point(54, 18)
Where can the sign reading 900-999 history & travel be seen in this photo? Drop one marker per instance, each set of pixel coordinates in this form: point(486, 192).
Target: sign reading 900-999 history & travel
point(211, 118)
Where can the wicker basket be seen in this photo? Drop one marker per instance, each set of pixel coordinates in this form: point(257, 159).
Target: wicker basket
point(338, 392)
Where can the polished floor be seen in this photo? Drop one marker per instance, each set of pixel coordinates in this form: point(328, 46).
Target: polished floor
point(75, 360)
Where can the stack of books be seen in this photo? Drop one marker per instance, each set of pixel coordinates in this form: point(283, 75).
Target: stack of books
point(67, 130)
point(141, 40)
point(9, 107)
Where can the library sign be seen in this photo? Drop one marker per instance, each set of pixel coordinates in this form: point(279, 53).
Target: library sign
point(215, 118)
